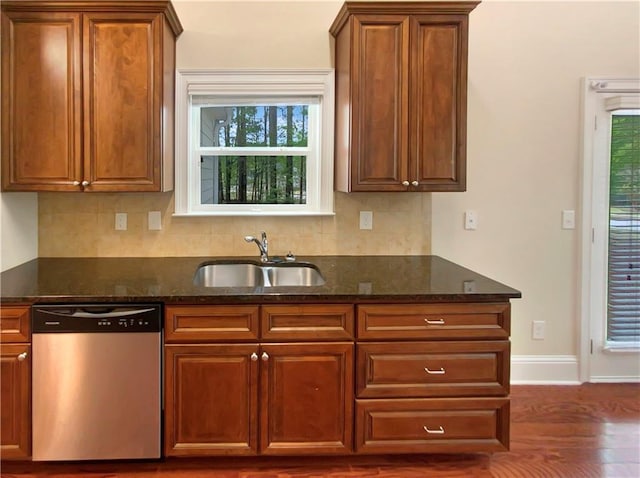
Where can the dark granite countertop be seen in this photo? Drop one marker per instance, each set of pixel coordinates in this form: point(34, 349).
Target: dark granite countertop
point(170, 280)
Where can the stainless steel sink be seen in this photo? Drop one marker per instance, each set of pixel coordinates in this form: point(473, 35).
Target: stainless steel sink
point(229, 275)
point(248, 274)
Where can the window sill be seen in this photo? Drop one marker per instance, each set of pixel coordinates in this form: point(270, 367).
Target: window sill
point(254, 213)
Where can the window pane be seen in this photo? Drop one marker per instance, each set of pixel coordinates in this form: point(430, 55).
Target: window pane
point(253, 179)
point(623, 324)
point(237, 126)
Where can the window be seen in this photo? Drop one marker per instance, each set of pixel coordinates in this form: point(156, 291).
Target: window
point(254, 143)
point(623, 304)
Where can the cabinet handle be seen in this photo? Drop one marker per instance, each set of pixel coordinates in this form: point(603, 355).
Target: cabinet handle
point(85, 183)
point(434, 372)
point(439, 431)
point(405, 183)
point(22, 356)
point(265, 356)
point(76, 183)
point(434, 321)
point(415, 183)
point(254, 357)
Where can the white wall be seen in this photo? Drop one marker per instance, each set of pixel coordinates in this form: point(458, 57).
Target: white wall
point(18, 228)
point(526, 60)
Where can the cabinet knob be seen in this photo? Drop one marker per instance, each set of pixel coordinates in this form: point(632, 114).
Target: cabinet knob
point(434, 372)
point(85, 183)
point(438, 431)
point(22, 356)
point(254, 357)
point(76, 183)
point(415, 183)
point(405, 183)
point(265, 356)
point(434, 321)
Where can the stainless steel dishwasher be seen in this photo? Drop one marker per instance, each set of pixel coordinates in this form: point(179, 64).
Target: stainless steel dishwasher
point(96, 377)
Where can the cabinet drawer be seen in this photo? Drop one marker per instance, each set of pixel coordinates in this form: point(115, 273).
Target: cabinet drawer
point(307, 322)
point(434, 321)
point(211, 323)
point(15, 323)
point(432, 425)
point(432, 369)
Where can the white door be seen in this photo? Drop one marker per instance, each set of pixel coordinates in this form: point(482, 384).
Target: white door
point(611, 231)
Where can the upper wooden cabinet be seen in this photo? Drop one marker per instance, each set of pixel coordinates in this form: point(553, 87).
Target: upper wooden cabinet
point(401, 93)
point(88, 95)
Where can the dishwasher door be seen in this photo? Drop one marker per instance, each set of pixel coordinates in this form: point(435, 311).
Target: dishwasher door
point(96, 382)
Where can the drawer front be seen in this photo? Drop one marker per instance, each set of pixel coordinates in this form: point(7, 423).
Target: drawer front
point(432, 369)
point(15, 323)
point(196, 323)
point(307, 322)
point(434, 321)
point(432, 425)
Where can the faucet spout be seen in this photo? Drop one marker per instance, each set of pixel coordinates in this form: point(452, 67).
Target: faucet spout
point(263, 245)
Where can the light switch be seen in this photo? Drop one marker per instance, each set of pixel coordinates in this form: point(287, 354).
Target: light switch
point(471, 220)
point(568, 219)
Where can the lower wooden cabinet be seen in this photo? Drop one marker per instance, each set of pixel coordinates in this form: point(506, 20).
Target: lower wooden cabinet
point(291, 397)
point(211, 397)
point(448, 425)
point(291, 379)
point(15, 383)
point(306, 399)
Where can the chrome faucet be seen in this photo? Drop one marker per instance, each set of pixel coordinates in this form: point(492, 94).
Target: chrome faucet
point(262, 245)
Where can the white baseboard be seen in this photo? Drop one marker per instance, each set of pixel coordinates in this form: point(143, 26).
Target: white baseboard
point(544, 370)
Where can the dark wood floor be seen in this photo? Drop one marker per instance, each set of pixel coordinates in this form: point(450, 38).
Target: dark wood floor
point(586, 431)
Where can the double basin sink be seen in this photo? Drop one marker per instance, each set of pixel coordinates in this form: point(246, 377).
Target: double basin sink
point(251, 274)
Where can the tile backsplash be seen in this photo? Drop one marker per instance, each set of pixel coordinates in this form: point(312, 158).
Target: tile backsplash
point(83, 225)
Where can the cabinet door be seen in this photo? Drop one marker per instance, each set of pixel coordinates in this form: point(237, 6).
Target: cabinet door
point(306, 398)
point(122, 101)
point(380, 72)
point(41, 103)
point(15, 401)
point(438, 95)
point(211, 400)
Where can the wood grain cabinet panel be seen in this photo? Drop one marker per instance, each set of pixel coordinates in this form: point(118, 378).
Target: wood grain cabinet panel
point(15, 401)
point(432, 369)
point(193, 323)
point(15, 381)
point(401, 94)
point(87, 95)
point(306, 399)
point(307, 322)
point(15, 323)
point(434, 321)
point(211, 398)
point(432, 425)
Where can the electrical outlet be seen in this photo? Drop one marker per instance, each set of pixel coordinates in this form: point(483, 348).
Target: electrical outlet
point(537, 331)
point(155, 221)
point(121, 221)
point(366, 220)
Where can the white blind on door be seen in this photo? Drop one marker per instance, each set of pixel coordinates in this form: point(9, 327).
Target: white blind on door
point(623, 324)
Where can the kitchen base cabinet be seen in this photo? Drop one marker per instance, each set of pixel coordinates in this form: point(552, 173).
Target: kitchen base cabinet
point(451, 425)
point(293, 397)
point(306, 399)
point(211, 399)
point(15, 385)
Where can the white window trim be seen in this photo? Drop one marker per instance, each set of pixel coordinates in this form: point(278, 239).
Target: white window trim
point(592, 263)
point(285, 83)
